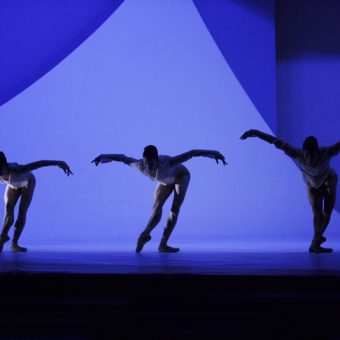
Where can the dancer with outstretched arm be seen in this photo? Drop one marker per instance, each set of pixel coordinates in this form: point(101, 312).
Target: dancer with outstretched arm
point(20, 183)
point(320, 178)
point(172, 177)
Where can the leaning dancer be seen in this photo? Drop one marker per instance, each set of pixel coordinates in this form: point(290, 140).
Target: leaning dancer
point(320, 178)
point(172, 176)
point(20, 183)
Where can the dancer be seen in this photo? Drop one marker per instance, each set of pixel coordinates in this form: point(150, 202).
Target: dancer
point(20, 183)
point(172, 176)
point(320, 178)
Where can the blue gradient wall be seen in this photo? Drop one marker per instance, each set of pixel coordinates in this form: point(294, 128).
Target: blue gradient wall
point(152, 73)
point(308, 69)
point(37, 35)
point(243, 31)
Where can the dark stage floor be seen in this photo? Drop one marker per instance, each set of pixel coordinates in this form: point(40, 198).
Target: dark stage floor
point(189, 295)
point(185, 262)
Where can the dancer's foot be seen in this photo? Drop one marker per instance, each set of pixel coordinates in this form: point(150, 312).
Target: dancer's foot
point(164, 248)
point(142, 239)
point(317, 250)
point(323, 239)
point(3, 240)
point(17, 249)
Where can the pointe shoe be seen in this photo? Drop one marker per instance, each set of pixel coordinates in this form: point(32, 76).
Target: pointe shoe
point(318, 250)
point(17, 249)
point(3, 240)
point(164, 248)
point(142, 239)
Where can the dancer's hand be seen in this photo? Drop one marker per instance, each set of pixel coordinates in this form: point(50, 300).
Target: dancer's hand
point(219, 157)
point(65, 167)
point(98, 160)
point(103, 159)
point(249, 133)
point(118, 157)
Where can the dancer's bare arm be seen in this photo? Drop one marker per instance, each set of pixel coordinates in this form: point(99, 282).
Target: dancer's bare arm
point(198, 153)
point(41, 164)
point(334, 149)
point(259, 134)
point(107, 158)
point(288, 149)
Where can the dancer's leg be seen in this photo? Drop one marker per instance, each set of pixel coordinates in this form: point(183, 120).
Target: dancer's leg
point(11, 199)
point(315, 197)
point(161, 194)
point(329, 200)
point(181, 187)
point(25, 201)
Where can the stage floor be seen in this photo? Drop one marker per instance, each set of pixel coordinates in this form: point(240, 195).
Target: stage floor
point(185, 262)
point(80, 294)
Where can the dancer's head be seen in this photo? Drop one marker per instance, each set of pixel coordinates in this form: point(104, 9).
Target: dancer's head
point(150, 156)
point(3, 163)
point(310, 149)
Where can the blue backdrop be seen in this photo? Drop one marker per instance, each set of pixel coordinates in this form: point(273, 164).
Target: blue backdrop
point(308, 70)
